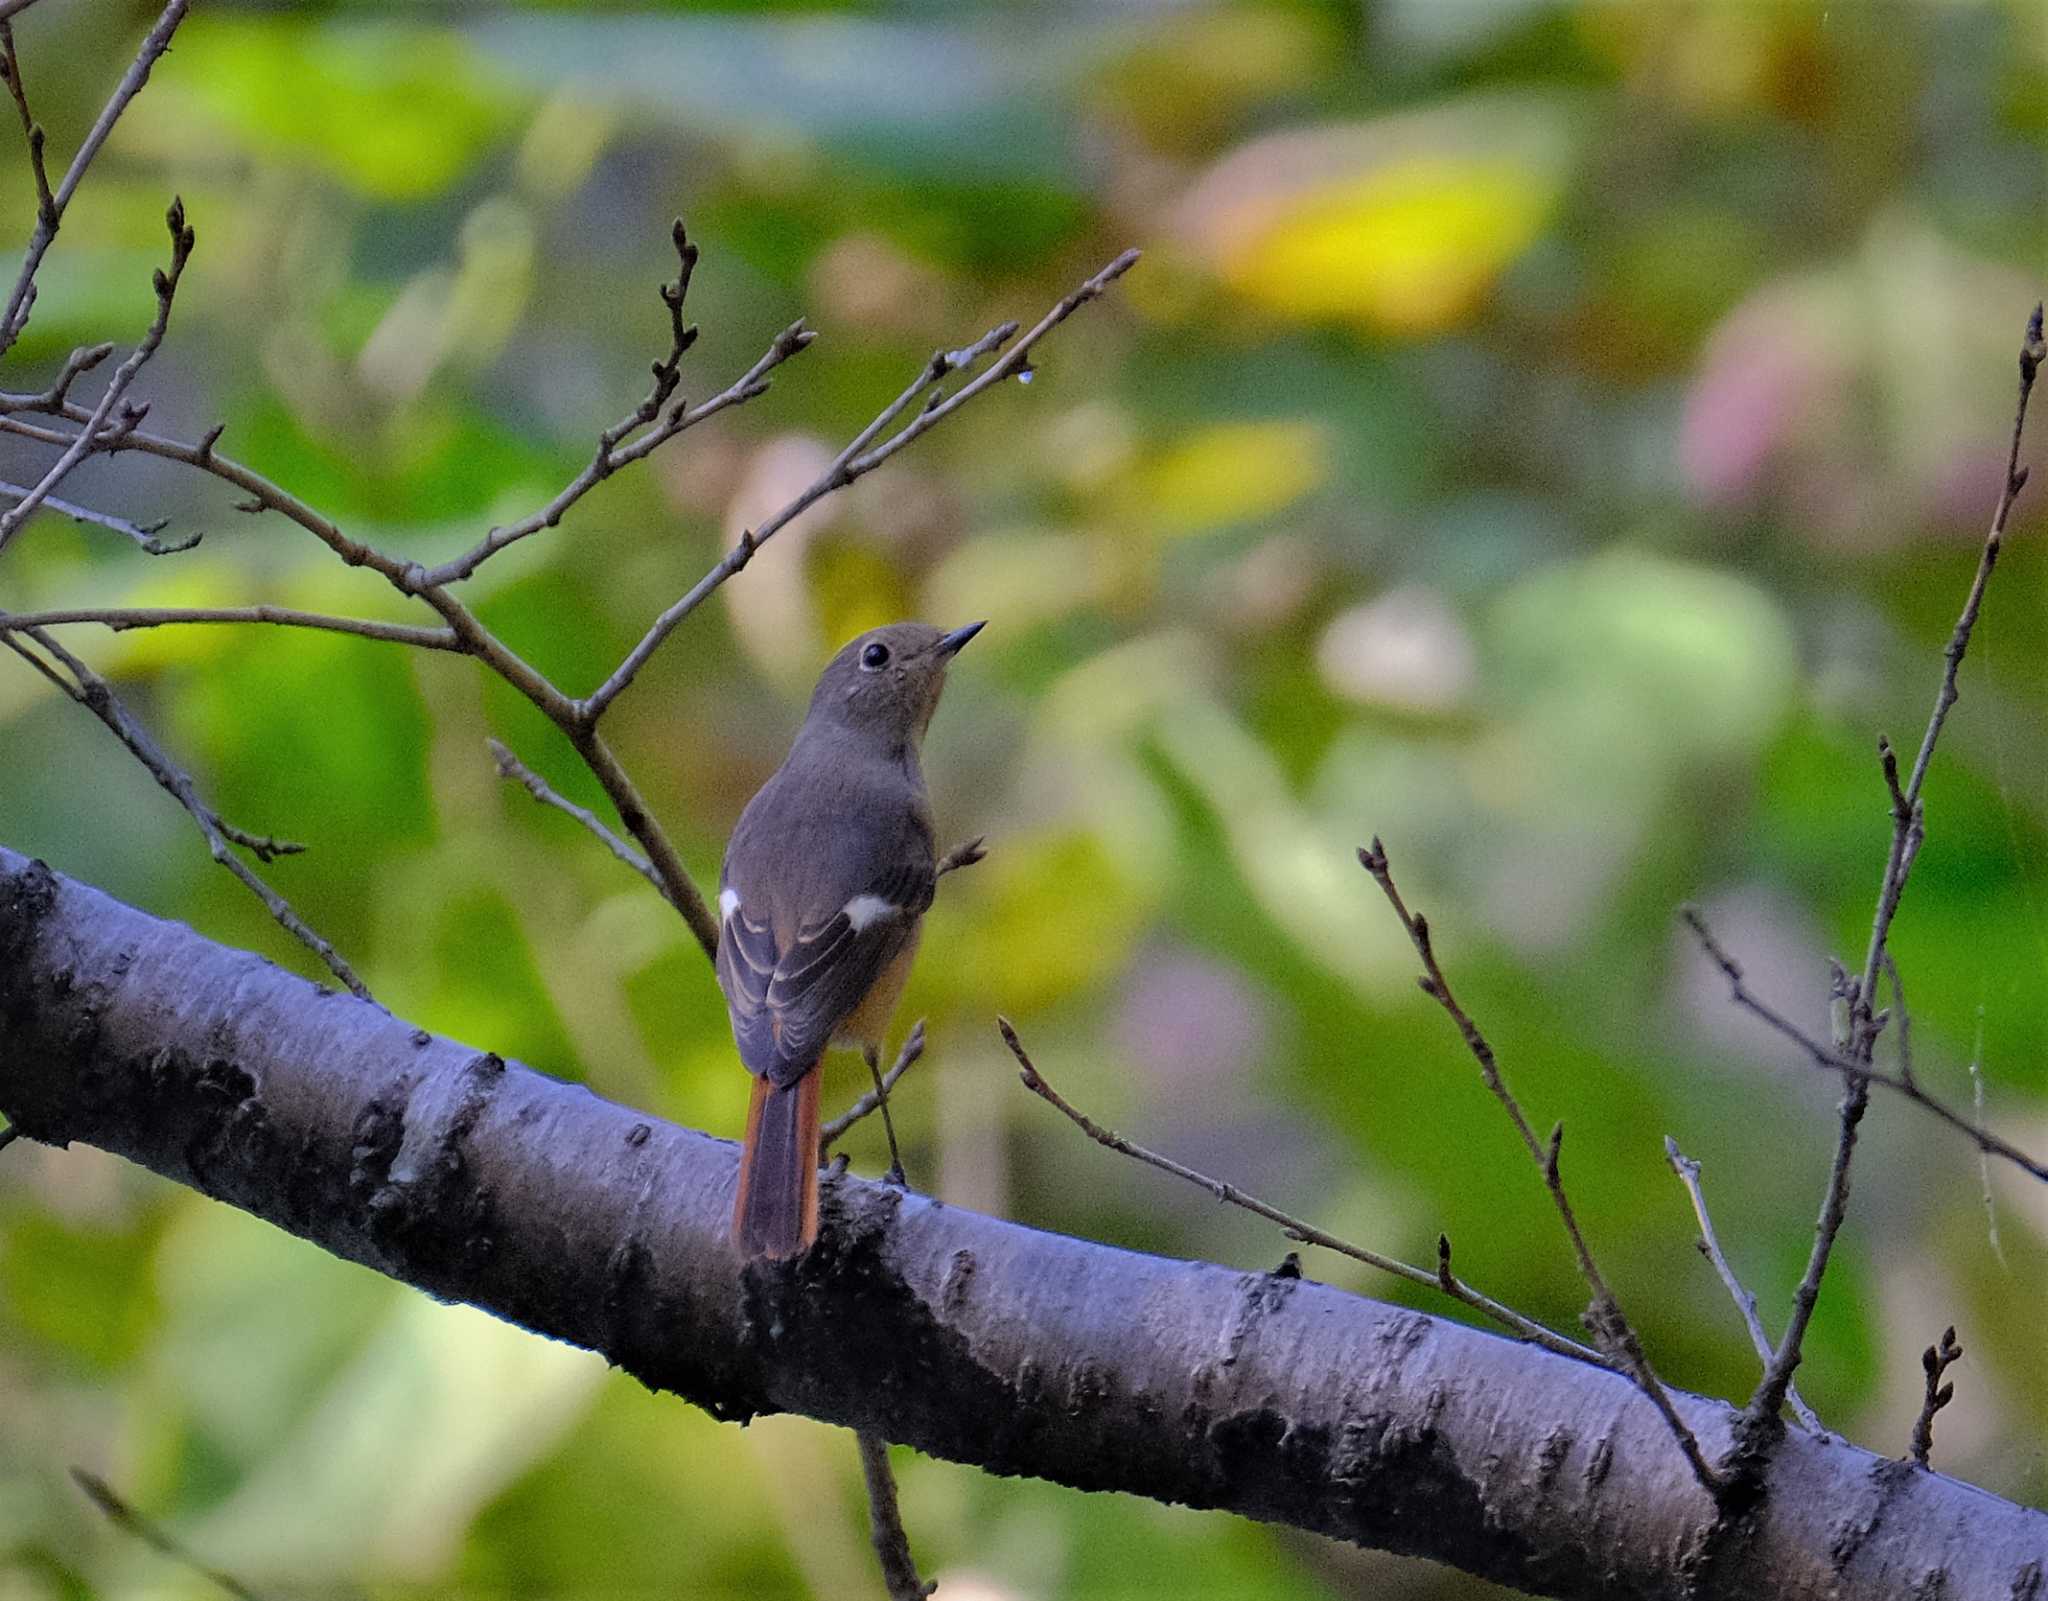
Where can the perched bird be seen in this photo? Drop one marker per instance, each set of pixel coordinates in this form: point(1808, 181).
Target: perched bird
point(825, 881)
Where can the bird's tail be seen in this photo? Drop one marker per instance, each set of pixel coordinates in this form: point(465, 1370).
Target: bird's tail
point(775, 1212)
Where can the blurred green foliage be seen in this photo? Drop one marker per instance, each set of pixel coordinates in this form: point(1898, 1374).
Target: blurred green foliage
point(1550, 436)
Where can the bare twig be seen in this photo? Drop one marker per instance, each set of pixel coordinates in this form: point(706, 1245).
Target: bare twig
point(892, 1545)
point(1610, 1328)
point(1297, 1229)
point(91, 691)
point(1901, 1017)
point(144, 534)
point(511, 767)
point(80, 362)
point(88, 438)
point(643, 825)
point(1908, 829)
point(906, 1059)
point(125, 1517)
point(1833, 1061)
point(1984, 1156)
point(50, 207)
point(32, 131)
point(1688, 1172)
point(862, 455)
point(577, 719)
point(612, 450)
point(121, 618)
point(470, 636)
point(1934, 1362)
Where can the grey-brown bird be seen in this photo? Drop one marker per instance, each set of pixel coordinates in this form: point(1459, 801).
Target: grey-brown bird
point(826, 879)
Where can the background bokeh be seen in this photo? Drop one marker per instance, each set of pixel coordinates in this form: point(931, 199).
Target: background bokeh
point(1554, 437)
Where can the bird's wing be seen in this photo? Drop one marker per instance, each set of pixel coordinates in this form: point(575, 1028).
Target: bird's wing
point(788, 998)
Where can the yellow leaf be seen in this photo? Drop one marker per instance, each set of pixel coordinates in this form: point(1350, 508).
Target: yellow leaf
point(1233, 473)
point(1400, 224)
point(1409, 249)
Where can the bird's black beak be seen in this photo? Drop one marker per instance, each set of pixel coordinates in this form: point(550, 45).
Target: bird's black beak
point(950, 645)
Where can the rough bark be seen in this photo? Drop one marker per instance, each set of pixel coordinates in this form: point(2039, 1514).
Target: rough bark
point(973, 1339)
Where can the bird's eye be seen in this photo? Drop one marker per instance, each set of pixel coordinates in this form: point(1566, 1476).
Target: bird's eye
point(876, 655)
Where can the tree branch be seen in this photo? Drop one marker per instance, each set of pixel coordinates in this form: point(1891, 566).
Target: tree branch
point(1833, 1061)
point(121, 618)
point(90, 437)
point(1934, 1362)
point(1908, 830)
point(612, 452)
point(892, 1545)
point(969, 1338)
point(92, 692)
point(1296, 1228)
point(869, 1103)
point(1609, 1326)
point(123, 1516)
point(858, 458)
point(144, 535)
point(1688, 1172)
point(512, 768)
point(50, 208)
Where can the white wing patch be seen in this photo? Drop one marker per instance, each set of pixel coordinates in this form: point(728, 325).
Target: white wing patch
point(728, 903)
point(864, 910)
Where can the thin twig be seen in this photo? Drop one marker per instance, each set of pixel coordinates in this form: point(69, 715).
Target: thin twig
point(612, 451)
point(1610, 1327)
point(125, 1517)
point(121, 618)
point(1901, 1017)
point(1833, 1061)
point(1295, 1228)
point(32, 131)
point(143, 534)
point(676, 883)
point(858, 458)
point(892, 1545)
point(1688, 1172)
point(94, 693)
point(906, 1059)
point(576, 719)
point(1908, 829)
point(81, 361)
point(50, 212)
point(1984, 1156)
point(88, 438)
point(511, 767)
point(1934, 1362)
point(471, 637)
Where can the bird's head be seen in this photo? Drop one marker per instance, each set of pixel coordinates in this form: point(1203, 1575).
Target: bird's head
point(886, 683)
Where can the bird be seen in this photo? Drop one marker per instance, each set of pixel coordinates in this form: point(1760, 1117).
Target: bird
point(825, 882)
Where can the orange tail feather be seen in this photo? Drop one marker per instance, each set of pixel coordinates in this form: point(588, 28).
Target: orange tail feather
point(775, 1212)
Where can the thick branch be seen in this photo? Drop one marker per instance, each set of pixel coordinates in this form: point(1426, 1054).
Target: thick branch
point(966, 1337)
